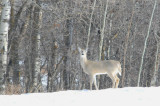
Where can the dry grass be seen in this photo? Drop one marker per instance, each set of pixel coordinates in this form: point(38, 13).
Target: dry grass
point(14, 89)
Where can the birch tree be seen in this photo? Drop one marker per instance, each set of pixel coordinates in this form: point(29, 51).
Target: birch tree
point(36, 43)
point(4, 27)
point(102, 32)
point(145, 44)
point(102, 35)
point(89, 29)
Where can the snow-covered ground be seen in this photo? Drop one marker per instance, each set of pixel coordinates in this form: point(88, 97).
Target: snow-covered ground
point(130, 96)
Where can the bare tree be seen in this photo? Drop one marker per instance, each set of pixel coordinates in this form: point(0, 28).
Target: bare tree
point(4, 27)
point(126, 46)
point(102, 32)
point(156, 64)
point(90, 23)
point(145, 44)
point(36, 43)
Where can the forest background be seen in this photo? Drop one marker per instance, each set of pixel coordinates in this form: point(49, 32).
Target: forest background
point(39, 42)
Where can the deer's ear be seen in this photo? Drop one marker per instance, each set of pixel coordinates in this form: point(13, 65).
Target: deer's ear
point(79, 49)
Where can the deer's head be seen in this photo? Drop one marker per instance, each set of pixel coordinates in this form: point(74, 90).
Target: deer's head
point(83, 52)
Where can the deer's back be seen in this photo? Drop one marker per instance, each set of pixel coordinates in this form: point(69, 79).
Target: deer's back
point(101, 67)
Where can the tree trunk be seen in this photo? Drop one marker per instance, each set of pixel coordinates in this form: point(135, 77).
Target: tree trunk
point(102, 32)
point(36, 36)
point(126, 47)
point(89, 29)
point(145, 44)
point(27, 55)
point(52, 64)
point(14, 47)
point(156, 65)
point(102, 37)
point(4, 27)
point(68, 43)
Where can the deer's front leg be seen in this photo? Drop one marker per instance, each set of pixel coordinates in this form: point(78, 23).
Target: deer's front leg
point(95, 83)
point(91, 81)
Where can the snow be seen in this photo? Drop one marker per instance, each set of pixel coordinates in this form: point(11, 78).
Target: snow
point(129, 96)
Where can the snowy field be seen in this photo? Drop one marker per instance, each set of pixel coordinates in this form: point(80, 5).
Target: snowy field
point(131, 96)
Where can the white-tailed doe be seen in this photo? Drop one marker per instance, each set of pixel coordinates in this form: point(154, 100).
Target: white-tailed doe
point(93, 68)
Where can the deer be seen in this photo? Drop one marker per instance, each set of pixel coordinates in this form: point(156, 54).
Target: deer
point(93, 68)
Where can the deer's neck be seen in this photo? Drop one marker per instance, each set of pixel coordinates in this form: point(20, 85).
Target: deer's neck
point(83, 61)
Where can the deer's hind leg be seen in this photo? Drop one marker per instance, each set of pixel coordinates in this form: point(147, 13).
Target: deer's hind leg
point(117, 81)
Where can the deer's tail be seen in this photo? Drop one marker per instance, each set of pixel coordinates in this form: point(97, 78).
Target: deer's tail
point(119, 69)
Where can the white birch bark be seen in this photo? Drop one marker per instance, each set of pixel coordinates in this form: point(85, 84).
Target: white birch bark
point(110, 30)
point(145, 43)
point(102, 32)
point(89, 30)
point(102, 35)
point(38, 37)
point(4, 27)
